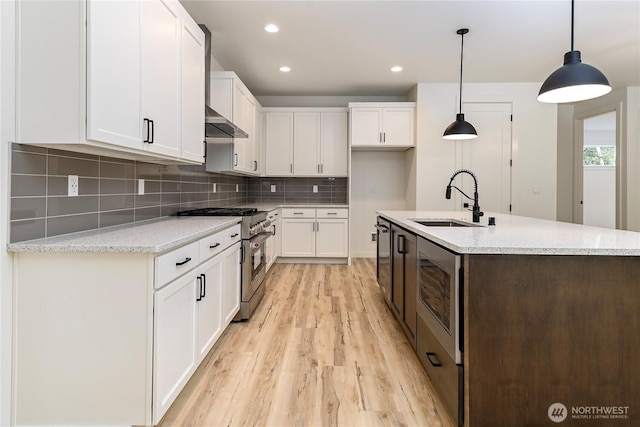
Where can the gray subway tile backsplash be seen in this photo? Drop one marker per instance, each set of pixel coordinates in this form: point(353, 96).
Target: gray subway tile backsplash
point(108, 190)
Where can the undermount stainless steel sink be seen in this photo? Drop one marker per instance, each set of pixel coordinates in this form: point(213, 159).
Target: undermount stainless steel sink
point(444, 223)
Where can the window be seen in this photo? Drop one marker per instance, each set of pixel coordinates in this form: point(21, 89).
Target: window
point(599, 155)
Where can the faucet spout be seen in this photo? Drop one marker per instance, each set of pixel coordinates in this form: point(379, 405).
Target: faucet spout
point(477, 213)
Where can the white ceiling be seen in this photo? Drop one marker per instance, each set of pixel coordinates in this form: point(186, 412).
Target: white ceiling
point(348, 47)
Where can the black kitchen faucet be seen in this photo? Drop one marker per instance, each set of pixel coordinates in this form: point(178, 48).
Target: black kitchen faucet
point(477, 213)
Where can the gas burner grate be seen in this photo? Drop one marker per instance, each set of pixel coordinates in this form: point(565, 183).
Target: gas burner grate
point(219, 212)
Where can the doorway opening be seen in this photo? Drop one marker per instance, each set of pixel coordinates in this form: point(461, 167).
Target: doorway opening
point(598, 170)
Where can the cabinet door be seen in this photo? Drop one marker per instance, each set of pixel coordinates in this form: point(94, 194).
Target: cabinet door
point(239, 119)
point(209, 307)
point(192, 90)
point(366, 126)
point(258, 142)
point(397, 271)
point(332, 237)
point(398, 126)
point(249, 163)
point(298, 237)
point(410, 286)
point(334, 146)
point(279, 143)
point(160, 75)
point(230, 283)
point(174, 343)
point(306, 144)
point(113, 73)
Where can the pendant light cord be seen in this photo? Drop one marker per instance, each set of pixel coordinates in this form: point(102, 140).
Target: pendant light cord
point(461, 53)
point(572, 13)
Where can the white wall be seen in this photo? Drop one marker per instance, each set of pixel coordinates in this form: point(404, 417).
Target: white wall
point(7, 129)
point(533, 145)
point(378, 182)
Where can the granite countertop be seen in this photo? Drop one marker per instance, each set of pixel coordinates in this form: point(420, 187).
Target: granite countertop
point(151, 237)
point(518, 235)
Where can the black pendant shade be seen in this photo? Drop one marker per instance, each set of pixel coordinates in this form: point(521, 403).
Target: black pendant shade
point(574, 81)
point(460, 128)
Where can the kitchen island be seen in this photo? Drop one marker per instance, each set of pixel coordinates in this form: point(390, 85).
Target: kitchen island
point(549, 321)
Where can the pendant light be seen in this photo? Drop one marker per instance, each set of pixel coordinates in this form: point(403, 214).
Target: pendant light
point(574, 81)
point(460, 129)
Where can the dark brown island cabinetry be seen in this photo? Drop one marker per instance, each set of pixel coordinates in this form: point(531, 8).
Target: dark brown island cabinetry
point(404, 279)
point(547, 330)
point(543, 339)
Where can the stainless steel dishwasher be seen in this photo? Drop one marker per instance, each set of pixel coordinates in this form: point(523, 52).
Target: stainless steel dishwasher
point(384, 257)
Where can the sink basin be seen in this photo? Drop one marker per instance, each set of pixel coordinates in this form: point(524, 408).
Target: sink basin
point(444, 223)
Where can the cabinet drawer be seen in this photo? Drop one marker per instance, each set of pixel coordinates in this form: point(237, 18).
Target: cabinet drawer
point(332, 213)
point(175, 263)
point(445, 375)
point(217, 242)
point(273, 215)
point(298, 213)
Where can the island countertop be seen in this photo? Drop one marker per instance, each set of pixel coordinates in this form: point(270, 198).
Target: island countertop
point(155, 236)
point(518, 235)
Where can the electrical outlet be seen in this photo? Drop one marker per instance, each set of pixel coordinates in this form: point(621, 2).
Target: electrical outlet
point(215, 188)
point(237, 188)
point(374, 236)
point(315, 189)
point(273, 188)
point(72, 186)
point(141, 186)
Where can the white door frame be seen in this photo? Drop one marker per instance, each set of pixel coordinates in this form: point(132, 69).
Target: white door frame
point(578, 170)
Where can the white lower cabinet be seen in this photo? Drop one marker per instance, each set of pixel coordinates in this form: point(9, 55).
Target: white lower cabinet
point(331, 237)
point(321, 233)
point(273, 243)
point(230, 297)
point(174, 341)
point(112, 338)
point(299, 237)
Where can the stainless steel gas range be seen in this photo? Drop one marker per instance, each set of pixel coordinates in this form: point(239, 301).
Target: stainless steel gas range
point(253, 263)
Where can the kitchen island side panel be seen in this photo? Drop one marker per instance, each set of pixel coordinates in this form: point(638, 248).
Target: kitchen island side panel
point(82, 346)
point(541, 330)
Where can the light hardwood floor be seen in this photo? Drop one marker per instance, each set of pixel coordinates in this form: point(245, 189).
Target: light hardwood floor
point(323, 349)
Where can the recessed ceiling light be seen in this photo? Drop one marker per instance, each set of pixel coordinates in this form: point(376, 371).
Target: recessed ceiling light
point(396, 69)
point(271, 28)
point(285, 69)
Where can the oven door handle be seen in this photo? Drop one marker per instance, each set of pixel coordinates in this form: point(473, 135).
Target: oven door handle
point(382, 228)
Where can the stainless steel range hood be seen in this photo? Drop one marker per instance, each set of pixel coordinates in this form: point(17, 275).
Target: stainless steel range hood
point(216, 126)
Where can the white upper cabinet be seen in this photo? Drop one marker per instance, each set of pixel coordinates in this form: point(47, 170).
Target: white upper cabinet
point(306, 143)
point(113, 106)
point(386, 125)
point(105, 77)
point(230, 98)
point(192, 90)
point(161, 32)
point(334, 149)
point(315, 140)
point(279, 143)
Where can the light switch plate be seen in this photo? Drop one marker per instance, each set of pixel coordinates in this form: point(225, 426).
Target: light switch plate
point(237, 188)
point(141, 186)
point(215, 187)
point(315, 188)
point(273, 188)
